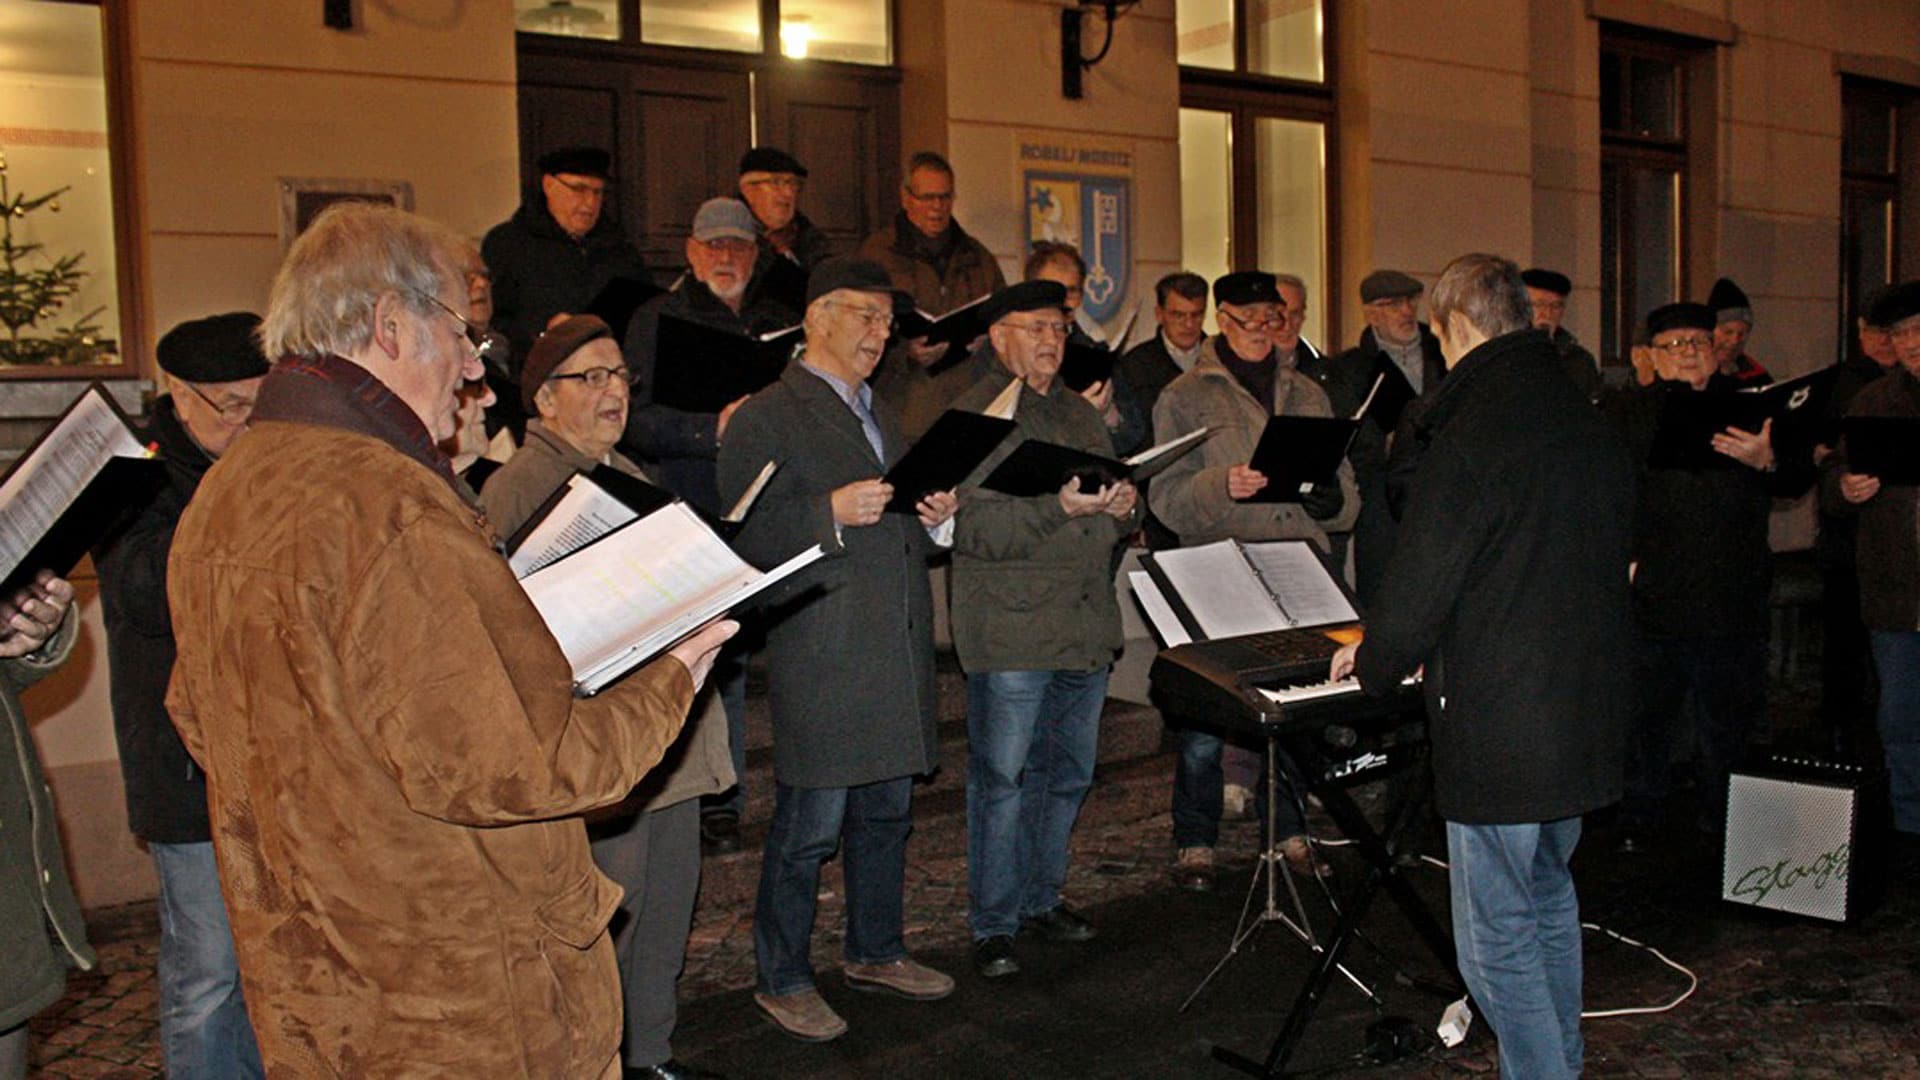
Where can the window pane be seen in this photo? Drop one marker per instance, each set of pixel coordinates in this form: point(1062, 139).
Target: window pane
point(1205, 32)
point(1866, 242)
point(1613, 100)
point(1653, 97)
point(569, 18)
point(61, 303)
point(1206, 193)
point(851, 30)
point(1654, 243)
point(733, 25)
point(1866, 143)
point(1290, 161)
point(1286, 39)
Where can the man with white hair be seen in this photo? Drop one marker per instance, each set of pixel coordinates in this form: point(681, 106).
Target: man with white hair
point(395, 760)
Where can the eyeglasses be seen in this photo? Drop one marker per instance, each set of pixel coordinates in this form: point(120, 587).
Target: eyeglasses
point(782, 182)
point(481, 341)
point(598, 378)
point(930, 197)
point(1388, 303)
point(1271, 322)
point(583, 189)
point(233, 413)
point(881, 319)
point(1685, 344)
point(1042, 328)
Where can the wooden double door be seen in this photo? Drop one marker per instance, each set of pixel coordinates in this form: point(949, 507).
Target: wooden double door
point(676, 127)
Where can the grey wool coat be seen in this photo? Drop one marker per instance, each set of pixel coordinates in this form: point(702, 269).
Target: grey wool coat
point(850, 638)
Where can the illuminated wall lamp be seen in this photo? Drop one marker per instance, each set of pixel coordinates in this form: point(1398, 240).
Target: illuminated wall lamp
point(796, 34)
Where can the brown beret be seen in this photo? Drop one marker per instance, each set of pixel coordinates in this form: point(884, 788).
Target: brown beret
point(552, 348)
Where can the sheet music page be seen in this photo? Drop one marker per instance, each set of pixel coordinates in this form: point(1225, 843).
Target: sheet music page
point(747, 497)
point(1004, 405)
point(49, 479)
point(1159, 612)
point(584, 514)
point(1220, 589)
point(1167, 447)
point(1300, 583)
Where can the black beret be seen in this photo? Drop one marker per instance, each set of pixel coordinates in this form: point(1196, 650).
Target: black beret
point(1026, 296)
point(847, 272)
point(1389, 285)
point(1895, 305)
point(577, 161)
point(216, 349)
point(770, 159)
point(1729, 302)
point(552, 348)
point(1552, 281)
point(1685, 315)
point(1246, 287)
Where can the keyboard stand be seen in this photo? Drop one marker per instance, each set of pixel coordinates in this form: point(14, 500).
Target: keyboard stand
point(1378, 848)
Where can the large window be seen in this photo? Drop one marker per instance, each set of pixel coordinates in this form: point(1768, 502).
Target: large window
point(856, 31)
point(60, 301)
point(1255, 144)
point(1872, 115)
point(1643, 172)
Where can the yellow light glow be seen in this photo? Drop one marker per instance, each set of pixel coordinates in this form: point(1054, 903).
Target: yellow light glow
point(795, 36)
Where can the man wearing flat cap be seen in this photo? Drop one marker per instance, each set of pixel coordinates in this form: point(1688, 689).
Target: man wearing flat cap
point(1036, 628)
point(849, 650)
point(1548, 290)
point(212, 369)
point(1889, 558)
point(1702, 583)
point(1732, 325)
point(557, 251)
point(771, 182)
point(1240, 381)
point(575, 385)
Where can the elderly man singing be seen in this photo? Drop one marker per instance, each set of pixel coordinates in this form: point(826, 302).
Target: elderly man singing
point(394, 757)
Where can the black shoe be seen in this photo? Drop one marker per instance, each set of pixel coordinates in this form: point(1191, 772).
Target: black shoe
point(668, 1070)
point(1633, 842)
point(719, 832)
point(993, 957)
point(1061, 925)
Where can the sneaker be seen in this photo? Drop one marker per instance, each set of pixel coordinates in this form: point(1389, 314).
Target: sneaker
point(993, 957)
point(906, 977)
point(805, 1015)
point(1236, 802)
point(1061, 925)
point(1193, 869)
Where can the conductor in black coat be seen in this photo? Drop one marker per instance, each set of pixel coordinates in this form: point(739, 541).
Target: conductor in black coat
point(1509, 583)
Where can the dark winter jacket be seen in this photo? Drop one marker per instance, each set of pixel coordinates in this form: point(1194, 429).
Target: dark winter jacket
point(539, 271)
point(1888, 545)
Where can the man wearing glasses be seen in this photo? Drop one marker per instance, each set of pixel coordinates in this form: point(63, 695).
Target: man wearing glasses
point(213, 369)
point(556, 252)
point(1240, 381)
point(771, 182)
point(575, 384)
point(939, 266)
point(1701, 579)
point(849, 651)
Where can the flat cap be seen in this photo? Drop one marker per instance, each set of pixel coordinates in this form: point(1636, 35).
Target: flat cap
point(1729, 302)
point(216, 349)
point(577, 161)
point(770, 159)
point(1896, 305)
point(847, 272)
point(1246, 287)
point(1389, 285)
point(552, 348)
point(1552, 281)
point(1685, 315)
point(1025, 296)
point(723, 218)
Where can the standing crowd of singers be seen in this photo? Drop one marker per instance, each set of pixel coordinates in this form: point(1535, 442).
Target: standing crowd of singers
point(344, 726)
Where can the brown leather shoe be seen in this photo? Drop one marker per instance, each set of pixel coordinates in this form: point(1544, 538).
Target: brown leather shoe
point(906, 976)
point(805, 1015)
point(1193, 869)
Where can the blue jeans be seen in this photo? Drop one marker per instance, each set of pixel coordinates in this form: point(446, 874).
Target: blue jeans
point(204, 1030)
point(1032, 739)
point(1897, 656)
point(1197, 778)
point(870, 823)
point(1516, 933)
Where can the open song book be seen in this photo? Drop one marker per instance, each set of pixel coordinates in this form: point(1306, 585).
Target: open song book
point(1230, 589)
point(618, 582)
point(79, 482)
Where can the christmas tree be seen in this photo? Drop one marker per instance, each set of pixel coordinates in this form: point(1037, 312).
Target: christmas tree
point(35, 286)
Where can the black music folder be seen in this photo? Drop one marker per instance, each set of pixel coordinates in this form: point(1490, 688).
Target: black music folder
point(616, 303)
point(1040, 468)
point(1884, 446)
point(784, 282)
point(1390, 397)
point(1299, 453)
point(82, 479)
point(702, 369)
point(948, 453)
point(956, 328)
point(1689, 419)
point(1085, 363)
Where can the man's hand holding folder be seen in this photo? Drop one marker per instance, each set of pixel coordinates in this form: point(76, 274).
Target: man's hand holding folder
point(864, 501)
